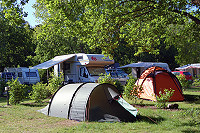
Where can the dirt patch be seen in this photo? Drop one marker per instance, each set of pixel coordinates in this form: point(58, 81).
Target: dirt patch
point(153, 107)
point(144, 106)
point(67, 122)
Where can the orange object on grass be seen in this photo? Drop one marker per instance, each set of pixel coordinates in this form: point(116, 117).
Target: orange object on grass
point(156, 79)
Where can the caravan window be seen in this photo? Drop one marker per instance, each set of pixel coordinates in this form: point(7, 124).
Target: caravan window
point(31, 74)
point(96, 71)
point(8, 75)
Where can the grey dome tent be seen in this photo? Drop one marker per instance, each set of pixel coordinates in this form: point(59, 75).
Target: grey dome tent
point(90, 102)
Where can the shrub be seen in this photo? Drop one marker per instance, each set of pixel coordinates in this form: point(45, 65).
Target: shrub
point(184, 83)
point(106, 78)
point(16, 91)
point(39, 92)
point(131, 90)
point(196, 82)
point(164, 97)
point(119, 86)
point(55, 82)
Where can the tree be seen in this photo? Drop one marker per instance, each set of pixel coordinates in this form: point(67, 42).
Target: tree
point(103, 24)
point(188, 43)
point(15, 40)
point(52, 42)
point(143, 24)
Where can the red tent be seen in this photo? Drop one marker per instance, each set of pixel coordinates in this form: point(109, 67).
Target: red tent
point(156, 79)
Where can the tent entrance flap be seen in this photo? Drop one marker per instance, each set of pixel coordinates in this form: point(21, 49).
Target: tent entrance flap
point(127, 106)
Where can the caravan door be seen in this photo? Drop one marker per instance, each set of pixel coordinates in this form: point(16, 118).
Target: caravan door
point(84, 75)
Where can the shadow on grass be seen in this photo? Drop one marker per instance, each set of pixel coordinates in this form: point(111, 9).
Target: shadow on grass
point(3, 99)
point(151, 120)
point(192, 99)
point(191, 131)
point(34, 104)
point(192, 123)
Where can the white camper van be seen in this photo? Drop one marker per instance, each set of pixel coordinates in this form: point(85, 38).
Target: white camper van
point(25, 75)
point(83, 67)
point(79, 67)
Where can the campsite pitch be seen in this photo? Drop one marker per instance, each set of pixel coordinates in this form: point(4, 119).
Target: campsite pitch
point(25, 118)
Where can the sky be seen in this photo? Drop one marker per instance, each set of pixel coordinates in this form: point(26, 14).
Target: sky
point(31, 17)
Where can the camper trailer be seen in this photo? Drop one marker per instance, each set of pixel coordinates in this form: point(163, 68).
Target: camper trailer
point(25, 75)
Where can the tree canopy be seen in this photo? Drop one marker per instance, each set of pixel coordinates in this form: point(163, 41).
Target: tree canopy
point(104, 24)
point(133, 29)
point(16, 42)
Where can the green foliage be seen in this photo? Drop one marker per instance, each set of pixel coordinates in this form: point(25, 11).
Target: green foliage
point(164, 97)
point(119, 86)
point(193, 114)
point(103, 24)
point(131, 90)
point(184, 82)
point(16, 44)
point(16, 91)
point(42, 90)
point(55, 82)
point(196, 82)
point(106, 78)
point(39, 92)
point(187, 42)
point(2, 86)
point(12, 10)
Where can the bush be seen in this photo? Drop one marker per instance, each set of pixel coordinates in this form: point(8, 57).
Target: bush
point(106, 78)
point(39, 92)
point(16, 91)
point(164, 97)
point(55, 82)
point(196, 82)
point(131, 90)
point(184, 83)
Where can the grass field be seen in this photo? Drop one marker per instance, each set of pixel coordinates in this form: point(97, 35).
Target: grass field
point(25, 118)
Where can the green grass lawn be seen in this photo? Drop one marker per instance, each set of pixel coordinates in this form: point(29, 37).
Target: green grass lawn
point(25, 118)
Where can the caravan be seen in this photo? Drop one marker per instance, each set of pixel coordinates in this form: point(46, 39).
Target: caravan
point(25, 75)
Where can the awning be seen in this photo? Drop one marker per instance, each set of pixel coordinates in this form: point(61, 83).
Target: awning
point(54, 61)
point(197, 65)
point(139, 64)
point(147, 65)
